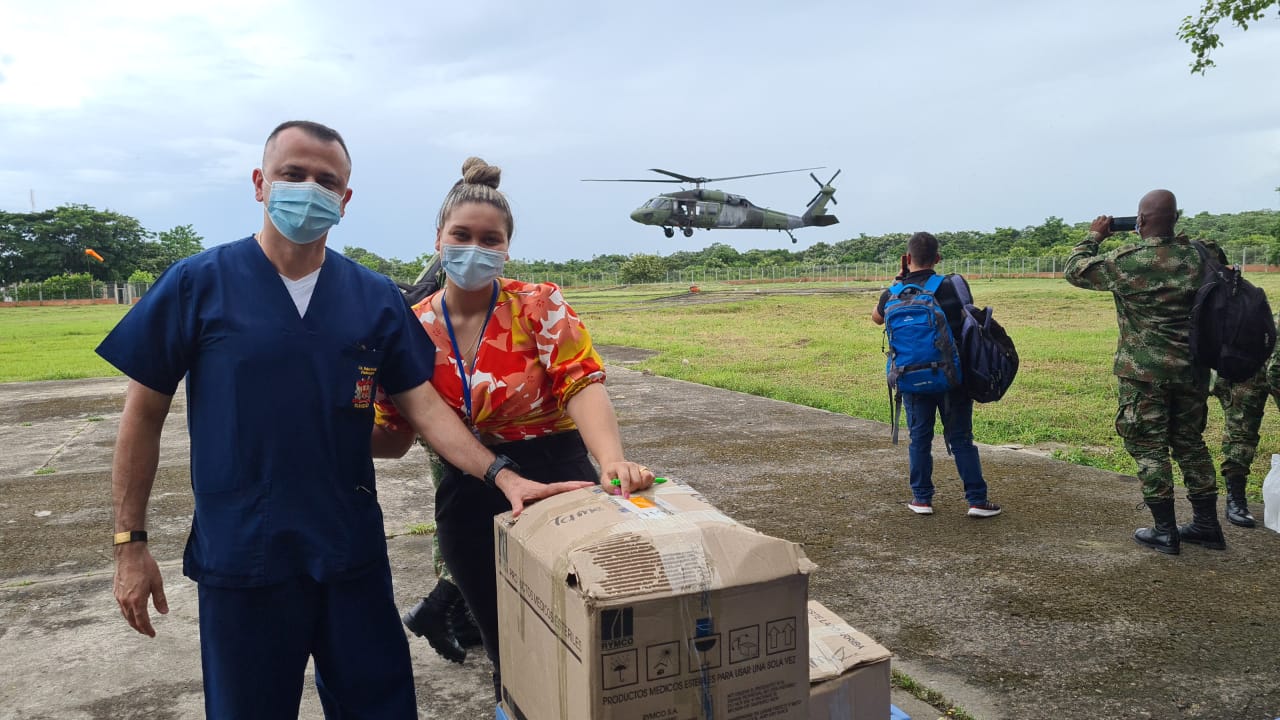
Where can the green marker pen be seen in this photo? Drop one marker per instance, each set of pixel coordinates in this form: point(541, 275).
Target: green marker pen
point(656, 481)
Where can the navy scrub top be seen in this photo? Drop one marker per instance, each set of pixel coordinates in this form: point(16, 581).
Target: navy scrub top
point(279, 407)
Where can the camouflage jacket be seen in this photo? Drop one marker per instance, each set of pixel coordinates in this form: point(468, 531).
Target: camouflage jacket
point(1154, 284)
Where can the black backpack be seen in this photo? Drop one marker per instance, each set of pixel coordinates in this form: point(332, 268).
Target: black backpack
point(1232, 329)
point(987, 354)
point(988, 357)
point(428, 281)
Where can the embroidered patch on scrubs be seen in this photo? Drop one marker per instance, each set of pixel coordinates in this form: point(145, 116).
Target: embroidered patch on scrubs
point(364, 388)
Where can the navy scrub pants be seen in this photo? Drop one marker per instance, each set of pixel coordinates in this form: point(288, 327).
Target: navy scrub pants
point(255, 642)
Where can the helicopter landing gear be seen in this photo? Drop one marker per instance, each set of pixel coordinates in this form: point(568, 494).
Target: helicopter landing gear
point(669, 232)
point(688, 231)
point(793, 237)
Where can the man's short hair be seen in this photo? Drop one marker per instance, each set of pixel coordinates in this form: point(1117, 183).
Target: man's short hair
point(314, 129)
point(923, 248)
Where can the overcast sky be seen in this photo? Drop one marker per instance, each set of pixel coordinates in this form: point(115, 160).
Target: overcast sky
point(943, 115)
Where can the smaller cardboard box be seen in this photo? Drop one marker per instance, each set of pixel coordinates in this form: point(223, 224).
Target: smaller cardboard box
point(659, 607)
point(848, 671)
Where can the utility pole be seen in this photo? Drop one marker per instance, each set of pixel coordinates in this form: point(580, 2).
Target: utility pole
point(33, 200)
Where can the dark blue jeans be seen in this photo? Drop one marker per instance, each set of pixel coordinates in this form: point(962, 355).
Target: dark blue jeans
point(957, 424)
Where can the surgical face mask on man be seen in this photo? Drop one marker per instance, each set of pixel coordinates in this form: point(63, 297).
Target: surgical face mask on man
point(303, 211)
point(471, 267)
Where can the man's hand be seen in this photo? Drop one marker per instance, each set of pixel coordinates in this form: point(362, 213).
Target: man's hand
point(138, 580)
point(1102, 226)
point(521, 491)
point(631, 477)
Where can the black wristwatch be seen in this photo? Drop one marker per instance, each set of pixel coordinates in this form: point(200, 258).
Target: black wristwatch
point(499, 462)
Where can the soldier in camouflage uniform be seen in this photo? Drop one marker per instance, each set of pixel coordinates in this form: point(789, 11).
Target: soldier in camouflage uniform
point(442, 616)
point(1242, 406)
point(1162, 392)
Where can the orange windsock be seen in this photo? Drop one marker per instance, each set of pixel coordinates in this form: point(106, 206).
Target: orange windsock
point(93, 254)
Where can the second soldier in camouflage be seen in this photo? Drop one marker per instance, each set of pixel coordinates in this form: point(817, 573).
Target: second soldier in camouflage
point(1243, 403)
point(1162, 392)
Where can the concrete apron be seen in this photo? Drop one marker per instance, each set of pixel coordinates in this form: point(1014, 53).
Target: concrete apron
point(1049, 610)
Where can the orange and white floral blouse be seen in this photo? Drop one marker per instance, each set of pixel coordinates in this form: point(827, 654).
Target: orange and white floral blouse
point(534, 356)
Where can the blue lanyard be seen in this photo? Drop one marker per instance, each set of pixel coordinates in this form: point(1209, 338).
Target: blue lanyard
point(463, 373)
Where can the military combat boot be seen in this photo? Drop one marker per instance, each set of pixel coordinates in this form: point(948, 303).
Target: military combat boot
point(430, 619)
point(1237, 503)
point(1204, 528)
point(463, 625)
point(1163, 537)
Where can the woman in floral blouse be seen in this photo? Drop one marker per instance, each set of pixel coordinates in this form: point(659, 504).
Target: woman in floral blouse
point(516, 363)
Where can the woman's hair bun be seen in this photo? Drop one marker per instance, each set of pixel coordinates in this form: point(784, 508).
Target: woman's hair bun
point(478, 172)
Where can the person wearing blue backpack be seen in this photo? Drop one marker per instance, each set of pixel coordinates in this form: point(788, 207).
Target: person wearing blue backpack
point(923, 313)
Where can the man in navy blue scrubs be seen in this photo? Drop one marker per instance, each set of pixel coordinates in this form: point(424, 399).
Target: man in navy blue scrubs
point(281, 342)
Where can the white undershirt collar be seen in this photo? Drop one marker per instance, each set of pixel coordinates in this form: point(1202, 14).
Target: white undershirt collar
point(301, 289)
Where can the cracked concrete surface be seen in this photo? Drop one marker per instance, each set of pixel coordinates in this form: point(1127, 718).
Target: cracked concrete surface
point(1048, 611)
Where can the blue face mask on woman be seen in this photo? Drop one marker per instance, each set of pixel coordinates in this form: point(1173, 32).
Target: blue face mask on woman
point(471, 267)
point(303, 211)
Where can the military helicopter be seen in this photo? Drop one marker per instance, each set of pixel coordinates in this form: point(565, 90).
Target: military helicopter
point(714, 209)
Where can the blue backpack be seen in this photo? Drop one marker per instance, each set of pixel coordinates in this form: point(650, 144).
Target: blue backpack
point(922, 355)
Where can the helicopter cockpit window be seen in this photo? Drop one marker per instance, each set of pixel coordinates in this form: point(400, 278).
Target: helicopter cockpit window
point(658, 204)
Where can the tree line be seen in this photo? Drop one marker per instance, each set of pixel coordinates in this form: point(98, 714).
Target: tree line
point(1252, 235)
point(52, 243)
point(79, 240)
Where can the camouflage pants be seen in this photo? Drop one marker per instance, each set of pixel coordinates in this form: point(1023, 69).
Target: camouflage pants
point(1159, 419)
point(437, 558)
point(1242, 406)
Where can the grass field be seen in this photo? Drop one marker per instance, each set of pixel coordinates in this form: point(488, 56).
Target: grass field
point(818, 349)
point(823, 351)
point(55, 342)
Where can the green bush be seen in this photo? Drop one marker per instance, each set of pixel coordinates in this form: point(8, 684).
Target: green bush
point(643, 269)
point(25, 291)
point(142, 276)
point(69, 286)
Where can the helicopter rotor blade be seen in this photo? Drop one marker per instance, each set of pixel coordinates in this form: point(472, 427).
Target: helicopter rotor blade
point(649, 180)
point(699, 181)
point(776, 172)
point(679, 177)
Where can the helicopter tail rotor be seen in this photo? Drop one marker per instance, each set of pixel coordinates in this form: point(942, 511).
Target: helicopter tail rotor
point(826, 188)
point(816, 212)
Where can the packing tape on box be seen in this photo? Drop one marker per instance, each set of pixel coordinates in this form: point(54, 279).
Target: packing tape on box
point(678, 542)
point(827, 660)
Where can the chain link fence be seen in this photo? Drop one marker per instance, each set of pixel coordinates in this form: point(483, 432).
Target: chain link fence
point(1027, 267)
point(1049, 267)
point(56, 292)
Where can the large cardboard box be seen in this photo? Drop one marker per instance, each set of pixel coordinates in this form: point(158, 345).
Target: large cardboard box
point(849, 671)
point(659, 607)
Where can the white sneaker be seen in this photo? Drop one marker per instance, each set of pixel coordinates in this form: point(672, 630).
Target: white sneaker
point(985, 510)
point(922, 508)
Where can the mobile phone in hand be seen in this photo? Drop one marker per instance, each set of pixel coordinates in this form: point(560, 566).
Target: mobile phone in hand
point(1124, 224)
